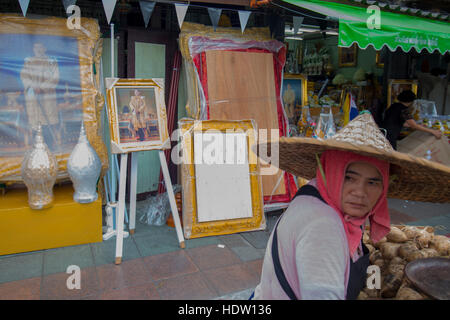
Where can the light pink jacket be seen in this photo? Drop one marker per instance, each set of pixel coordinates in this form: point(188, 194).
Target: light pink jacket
point(313, 253)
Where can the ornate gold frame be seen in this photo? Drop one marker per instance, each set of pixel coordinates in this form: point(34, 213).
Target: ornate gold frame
point(304, 80)
point(193, 228)
point(413, 83)
point(378, 62)
point(354, 47)
point(120, 147)
point(89, 52)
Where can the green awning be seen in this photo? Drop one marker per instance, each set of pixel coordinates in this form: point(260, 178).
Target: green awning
point(394, 29)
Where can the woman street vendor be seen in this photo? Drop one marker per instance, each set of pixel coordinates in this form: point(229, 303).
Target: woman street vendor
point(315, 250)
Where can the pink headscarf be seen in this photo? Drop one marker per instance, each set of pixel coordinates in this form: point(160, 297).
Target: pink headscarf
point(334, 164)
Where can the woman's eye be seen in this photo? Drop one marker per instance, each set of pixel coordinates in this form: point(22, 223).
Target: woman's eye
point(348, 178)
point(374, 183)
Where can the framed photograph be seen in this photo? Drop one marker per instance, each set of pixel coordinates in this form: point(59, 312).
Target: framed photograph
point(348, 56)
point(379, 59)
point(137, 115)
point(48, 78)
point(294, 95)
point(396, 86)
point(222, 188)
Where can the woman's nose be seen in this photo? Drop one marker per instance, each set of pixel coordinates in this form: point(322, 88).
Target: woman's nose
point(359, 190)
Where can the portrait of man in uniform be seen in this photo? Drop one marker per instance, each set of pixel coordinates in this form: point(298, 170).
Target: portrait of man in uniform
point(40, 77)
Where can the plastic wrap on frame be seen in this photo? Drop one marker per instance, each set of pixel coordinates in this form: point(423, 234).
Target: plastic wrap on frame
point(191, 227)
point(196, 40)
point(48, 78)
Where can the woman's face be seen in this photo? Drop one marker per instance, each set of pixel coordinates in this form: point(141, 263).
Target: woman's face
point(362, 187)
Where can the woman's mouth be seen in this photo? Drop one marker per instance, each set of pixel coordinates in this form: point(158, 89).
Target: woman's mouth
point(357, 205)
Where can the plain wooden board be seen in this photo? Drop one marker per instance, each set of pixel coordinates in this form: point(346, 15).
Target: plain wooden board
point(241, 85)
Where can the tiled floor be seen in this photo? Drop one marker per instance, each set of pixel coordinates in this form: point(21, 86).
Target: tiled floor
point(154, 267)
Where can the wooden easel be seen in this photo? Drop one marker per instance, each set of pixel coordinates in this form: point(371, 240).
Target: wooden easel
point(120, 210)
point(133, 183)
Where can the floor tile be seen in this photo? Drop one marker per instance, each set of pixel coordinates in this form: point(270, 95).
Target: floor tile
point(258, 239)
point(201, 242)
point(58, 260)
point(231, 278)
point(255, 267)
point(105, 252)
point(127, 274)
point(169, 265)
point(212, 257)
point(142, 230)
point(187, 287)
point(233, 240)
point(157, 244)
point(419, 210)
point(398, 217)
point(57, 286)
point(21, 266)
point(54, 287)
point(248, 253)
point(28, 289)
point(145, 291)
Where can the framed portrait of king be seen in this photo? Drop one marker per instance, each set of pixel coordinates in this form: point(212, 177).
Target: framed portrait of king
point(48, 79)
point(294, 95)
point(137, 115)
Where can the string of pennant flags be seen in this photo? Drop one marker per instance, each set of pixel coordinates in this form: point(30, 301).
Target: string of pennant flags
point(147, 10)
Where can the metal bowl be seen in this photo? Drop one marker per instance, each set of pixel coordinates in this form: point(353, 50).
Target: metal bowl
point(431, 275)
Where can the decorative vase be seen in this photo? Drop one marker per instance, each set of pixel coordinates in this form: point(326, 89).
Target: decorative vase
point(39, 170)
point(84, 168)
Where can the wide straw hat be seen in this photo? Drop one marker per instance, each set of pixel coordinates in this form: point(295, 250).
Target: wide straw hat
point(411, 178)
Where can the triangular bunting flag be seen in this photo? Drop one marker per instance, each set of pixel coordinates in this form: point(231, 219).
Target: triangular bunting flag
point(181, 10)
point(68, 3)
point(243, 18)
point(297, 23)
point(24, 6)
point(108, 6)
point(147, 10)
point(214, 14)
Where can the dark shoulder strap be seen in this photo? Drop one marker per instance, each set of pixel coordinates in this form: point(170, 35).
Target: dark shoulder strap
point(305, 190)
point(309, 190)
point(277, 266)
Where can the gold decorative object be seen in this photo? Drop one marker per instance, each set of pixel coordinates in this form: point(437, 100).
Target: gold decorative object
point(348, 57)
point(137, 115)
point(194, 226)
point(396, 86)
point(39, 170)
point(72, 55)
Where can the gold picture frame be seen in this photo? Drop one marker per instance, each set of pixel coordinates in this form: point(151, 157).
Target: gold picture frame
point(348, 57)
point(193, 228)
point(398, 85)
point(77, 53)
point(379, 59)
point(137, 115)
point(294, 94)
